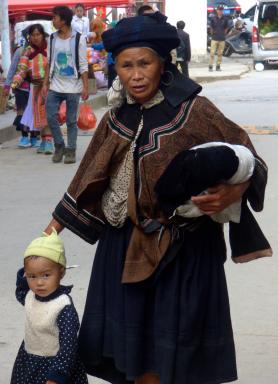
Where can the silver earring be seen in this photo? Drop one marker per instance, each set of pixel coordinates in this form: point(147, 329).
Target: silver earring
point(118, 84)
point(170, 78)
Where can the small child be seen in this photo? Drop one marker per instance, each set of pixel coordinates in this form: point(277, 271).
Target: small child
point(48, 354)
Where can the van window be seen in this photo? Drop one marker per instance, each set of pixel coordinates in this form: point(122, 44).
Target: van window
point(268, 18)
point(268, 25)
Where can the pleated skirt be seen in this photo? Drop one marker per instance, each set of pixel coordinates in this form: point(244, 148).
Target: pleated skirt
point(175, 324)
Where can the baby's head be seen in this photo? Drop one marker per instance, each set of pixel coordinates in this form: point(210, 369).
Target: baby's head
point(45, 264)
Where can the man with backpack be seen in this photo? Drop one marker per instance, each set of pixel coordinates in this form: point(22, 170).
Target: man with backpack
point(184, 49)
point(66, 80)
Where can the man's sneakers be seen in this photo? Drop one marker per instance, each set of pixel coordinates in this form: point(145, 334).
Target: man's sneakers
point(59, 153)
point(24, 142)
point(70, 157)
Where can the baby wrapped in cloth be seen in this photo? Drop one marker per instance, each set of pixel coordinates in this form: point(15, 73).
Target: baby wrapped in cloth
point(193, 171)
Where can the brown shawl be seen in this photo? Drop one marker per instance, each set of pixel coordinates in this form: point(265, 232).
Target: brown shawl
point(197, 121)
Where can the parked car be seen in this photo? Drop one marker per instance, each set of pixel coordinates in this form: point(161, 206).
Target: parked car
point(231, 7)
point(265, 33)
point(247, 18)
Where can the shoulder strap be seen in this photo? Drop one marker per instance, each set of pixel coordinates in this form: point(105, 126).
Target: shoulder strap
point(77, 39)
point(50, 49)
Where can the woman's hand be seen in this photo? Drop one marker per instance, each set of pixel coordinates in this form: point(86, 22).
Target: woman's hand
point(51, 382)
point(44, 91)
point(219, 197)
point(53, 224)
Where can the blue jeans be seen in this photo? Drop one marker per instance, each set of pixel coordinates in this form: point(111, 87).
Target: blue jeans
point(53, 102)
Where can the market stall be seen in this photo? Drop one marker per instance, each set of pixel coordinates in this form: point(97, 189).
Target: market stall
point(27, 5)
point(96, 58)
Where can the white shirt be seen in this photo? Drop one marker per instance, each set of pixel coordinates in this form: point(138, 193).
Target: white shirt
point(81, 25)
point(64, 79)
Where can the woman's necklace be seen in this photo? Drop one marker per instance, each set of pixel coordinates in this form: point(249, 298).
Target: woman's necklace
point(139, 130)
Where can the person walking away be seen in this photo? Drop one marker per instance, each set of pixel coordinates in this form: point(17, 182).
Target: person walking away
point(218, 27)
point(144, 10)
point(21, 95)
point(80, 23)
point(48, 354)
point(32, 65)
point(184, 49)
point(66, 79)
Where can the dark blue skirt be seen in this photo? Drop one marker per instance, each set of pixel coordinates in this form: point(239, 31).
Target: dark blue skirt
point(175, 324)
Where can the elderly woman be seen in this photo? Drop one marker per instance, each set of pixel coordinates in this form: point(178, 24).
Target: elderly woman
point(157, 308)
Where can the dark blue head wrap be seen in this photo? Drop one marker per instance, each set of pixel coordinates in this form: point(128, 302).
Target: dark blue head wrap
point(150, 30)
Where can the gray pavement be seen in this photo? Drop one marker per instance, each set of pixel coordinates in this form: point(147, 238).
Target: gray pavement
point(30, 187)
point(230, 70)
point(8, 132)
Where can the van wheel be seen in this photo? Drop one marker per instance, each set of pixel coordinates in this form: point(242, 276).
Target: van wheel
point(256, 62)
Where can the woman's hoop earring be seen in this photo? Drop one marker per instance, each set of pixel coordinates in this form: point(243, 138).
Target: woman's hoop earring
point(118, 84)
point(170, 78)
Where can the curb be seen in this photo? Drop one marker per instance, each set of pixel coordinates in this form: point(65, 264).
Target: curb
point(9, 132)
point(210, 79)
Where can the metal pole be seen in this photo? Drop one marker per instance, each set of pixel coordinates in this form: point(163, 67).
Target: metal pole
point(5, 36)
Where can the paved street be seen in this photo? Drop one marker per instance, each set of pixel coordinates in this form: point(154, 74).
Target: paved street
point(252, 101)
point(31, 186)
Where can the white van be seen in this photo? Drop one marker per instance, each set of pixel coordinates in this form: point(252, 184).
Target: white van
point(265, 33)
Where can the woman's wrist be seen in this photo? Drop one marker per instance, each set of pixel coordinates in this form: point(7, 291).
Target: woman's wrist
point(53, 224)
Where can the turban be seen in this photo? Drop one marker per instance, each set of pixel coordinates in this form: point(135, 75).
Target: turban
point(150, 30)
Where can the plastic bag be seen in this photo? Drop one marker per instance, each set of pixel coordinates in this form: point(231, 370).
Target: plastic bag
point(62, 114)
point(86, 119)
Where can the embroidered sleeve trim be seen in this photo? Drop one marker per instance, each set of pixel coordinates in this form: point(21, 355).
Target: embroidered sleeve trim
point(79, 221)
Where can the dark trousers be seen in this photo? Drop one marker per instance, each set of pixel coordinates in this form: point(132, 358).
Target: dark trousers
point(184, 67)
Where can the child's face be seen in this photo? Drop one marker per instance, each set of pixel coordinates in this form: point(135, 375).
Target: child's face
point(43, 275)
point(79, 11)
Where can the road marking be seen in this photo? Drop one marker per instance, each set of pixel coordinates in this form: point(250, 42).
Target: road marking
point(261, 129)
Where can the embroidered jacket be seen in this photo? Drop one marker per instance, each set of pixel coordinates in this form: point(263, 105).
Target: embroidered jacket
point(34, 68)
point(169, 128)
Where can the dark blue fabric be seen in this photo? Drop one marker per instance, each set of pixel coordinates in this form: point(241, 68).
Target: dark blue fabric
point(150, 30)
point(176, 324)
point(22, 286)
point(62, 289)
